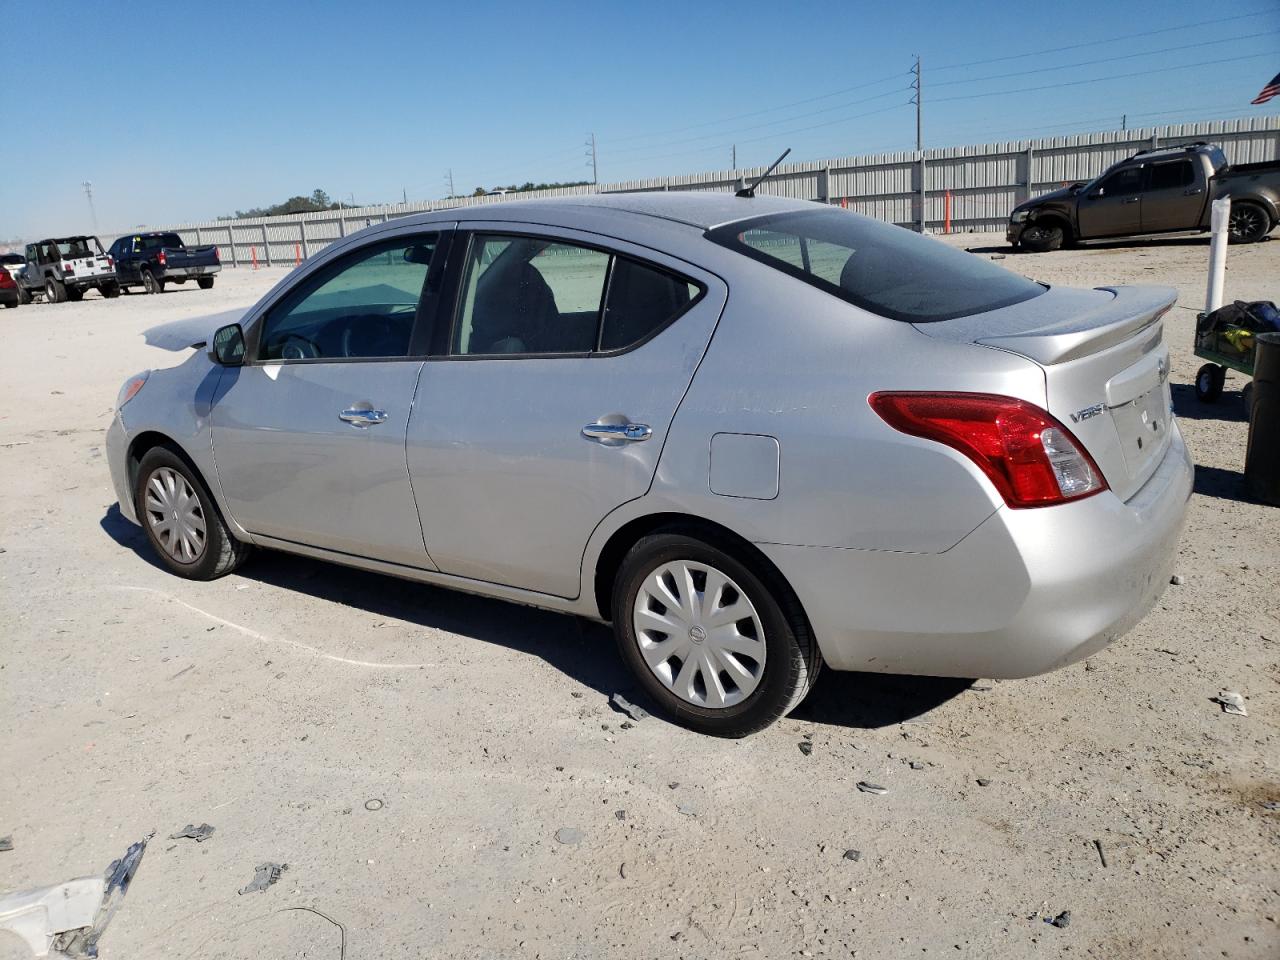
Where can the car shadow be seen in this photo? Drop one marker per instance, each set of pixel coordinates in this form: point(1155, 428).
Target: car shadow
point(1221, 484)
point(579, 648)
point(1228, 408)
point(1200, 240)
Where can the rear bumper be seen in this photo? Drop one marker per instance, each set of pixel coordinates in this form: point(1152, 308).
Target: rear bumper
point(1028, 591)
point(183, 273)
point(9, 295)
point(97, 280)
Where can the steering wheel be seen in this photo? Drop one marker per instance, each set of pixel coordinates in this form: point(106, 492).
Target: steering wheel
point(298, 348)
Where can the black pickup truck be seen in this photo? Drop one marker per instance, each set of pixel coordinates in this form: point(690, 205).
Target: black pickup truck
point(1169, 190)
point(150, 260)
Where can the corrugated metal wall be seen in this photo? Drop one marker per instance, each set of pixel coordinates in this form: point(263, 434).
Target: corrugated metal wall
point(985, 182)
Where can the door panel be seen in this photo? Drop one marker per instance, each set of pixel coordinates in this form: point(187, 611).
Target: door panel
point(291, 468)
point(1172, 200)
point(1114, 207)
point(508, 487)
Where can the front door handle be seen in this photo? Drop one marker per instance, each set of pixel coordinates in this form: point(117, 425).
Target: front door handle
point(1192, 192)
point(632, 432)
point(362, 416)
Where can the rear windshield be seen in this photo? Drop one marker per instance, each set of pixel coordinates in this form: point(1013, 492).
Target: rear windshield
point(74, 248)
point(171, 240)
point(885, 269)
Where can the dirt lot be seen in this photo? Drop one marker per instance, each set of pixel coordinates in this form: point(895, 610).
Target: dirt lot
point(278, 703)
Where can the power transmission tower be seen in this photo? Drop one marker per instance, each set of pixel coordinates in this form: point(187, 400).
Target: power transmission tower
point(448, 178)
point(591, 147)
point(918, 99)
point(93, 214)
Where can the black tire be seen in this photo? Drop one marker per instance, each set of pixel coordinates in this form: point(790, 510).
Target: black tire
point(24, 295)
point(791, 661)
point(54, 291)
point(206, 283)
point(1210, 380)
point(179, 280)
point(75, 294)
point(110, 290)
point(1042, 237)
point(1249, 223)
point(221, 553)
point(150, 284)
point(1246, 397)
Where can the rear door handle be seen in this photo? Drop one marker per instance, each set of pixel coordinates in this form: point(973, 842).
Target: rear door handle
point(1131, 200)
point(631, 432)
point(362, 416)
point(1193, 192)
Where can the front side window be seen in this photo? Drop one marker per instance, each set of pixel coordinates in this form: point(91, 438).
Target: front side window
point(534, 295)
point(880, 267)
point(364, 305)
point(1123, 183)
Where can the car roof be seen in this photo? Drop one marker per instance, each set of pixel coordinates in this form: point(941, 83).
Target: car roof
point(699, 209)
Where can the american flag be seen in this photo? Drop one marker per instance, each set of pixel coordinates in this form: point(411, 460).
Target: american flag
point(1269, 91)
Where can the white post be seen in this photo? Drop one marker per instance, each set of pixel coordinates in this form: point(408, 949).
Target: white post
point(1220, 219)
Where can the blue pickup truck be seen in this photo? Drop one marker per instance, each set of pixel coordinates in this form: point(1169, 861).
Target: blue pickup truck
point(151, 260)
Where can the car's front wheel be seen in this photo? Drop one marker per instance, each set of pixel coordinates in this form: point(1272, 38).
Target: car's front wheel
point(1249, 223)
point(1042, 237)
point(723, 647)
point(181, 521)
point(54, 292)
point(206, 283)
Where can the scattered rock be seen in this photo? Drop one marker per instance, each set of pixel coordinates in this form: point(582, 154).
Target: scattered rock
point(673, 784)
point(1231, 702)
point(198, 834)
point(1265, 804)
point(623, 705)
point(983, 782)
point(806, 747)
point(875, 788)
point(6, 844)
point(264, 875)
point(619, 814)
point(687, 810)
point(576, 694)
point(1061, 921)
point(917, 765)
point(998, 256)
point(854, 855)
point(1101, 856)
point(373, 804)
point(677, 935)
point(1176, 580)
point(625, 725)
point(568, 835)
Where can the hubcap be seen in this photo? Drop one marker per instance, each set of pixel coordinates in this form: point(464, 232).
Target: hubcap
point(699, 634)
point(1243, 223)
point(174, 513)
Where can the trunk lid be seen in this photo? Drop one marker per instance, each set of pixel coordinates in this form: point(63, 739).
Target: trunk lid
point(1105, 364)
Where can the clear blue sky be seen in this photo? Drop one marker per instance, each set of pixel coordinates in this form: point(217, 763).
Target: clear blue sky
point(184, 111)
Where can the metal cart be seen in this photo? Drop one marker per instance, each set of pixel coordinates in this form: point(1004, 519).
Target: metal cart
point(1222, 356)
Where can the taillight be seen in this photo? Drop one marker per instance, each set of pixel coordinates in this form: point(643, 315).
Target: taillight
point(111, 263)
point(161, 259)
point(6, 281)
point(68, 268)
point(1032, 459)
point(217, 254)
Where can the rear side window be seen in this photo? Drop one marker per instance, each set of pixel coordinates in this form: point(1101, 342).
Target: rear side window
point(877, 266)
point(533, 295)
point(1168, 176)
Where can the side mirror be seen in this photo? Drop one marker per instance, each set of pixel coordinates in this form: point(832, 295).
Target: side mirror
point(227, 349)
point(1098, 193)
point(419, 254)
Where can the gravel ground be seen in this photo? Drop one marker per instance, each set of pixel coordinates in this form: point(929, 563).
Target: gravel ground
point(444, 776)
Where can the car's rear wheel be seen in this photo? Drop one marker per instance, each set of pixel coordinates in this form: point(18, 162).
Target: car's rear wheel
point(54, 291)
point(206, 283)
point(181, 521)
point(110, 290)
point(1042, 237)
point(24, 295)
point(75, 294)
point(1249, 223)
point(1210, 380)
point(722, 647)
point(150, 283)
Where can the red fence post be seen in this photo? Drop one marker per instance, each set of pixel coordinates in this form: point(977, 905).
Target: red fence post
point(254, 251)
point(946, 227)
point(297, 254)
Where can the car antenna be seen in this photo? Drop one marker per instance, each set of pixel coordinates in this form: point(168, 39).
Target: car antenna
point(751, 190)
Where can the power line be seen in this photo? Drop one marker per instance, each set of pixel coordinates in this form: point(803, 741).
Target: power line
point(1087, 63)
point(1114, 76)
point(1094, 43)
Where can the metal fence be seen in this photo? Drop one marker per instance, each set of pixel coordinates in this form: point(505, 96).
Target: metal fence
point(977, 185)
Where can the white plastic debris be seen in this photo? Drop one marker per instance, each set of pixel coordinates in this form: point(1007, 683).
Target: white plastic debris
point(1232, 703)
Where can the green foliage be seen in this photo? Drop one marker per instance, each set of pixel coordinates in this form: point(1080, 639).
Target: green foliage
point(527, 186)
point(317, 202)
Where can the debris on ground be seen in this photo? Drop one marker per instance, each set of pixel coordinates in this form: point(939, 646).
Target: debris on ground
point(980, 687)
point(1176, 580)
point(806, 747)
point(623, 705)
point(875, 788)
point(620, 814)
point(673, 784)
point(1231, 702)
point(983, 782)
point(264, 875)
point(625, 725)
point(199, 834)
point(1270, 805)
point(568, 835)
point(1061, 920)
point(1101, 856)
point(6, 844)
point(917, 765)
point(373, 803)
point(687, 810)
point(67, 919)
point(854, 855)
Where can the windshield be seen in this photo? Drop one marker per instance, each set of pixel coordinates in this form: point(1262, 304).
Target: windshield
point(159, 240)
point(877, 266)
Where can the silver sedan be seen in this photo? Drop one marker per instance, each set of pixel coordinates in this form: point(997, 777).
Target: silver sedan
point(756, 435)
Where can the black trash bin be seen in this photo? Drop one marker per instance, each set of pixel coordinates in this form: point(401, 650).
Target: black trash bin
point(1262, 459)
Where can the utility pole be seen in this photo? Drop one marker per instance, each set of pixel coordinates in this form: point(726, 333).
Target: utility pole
point(404, 196)
point(448, 178)
point(735, 156)
point(1124, 121)
point(918, 99)
point(591, 146)
point(93, 214)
